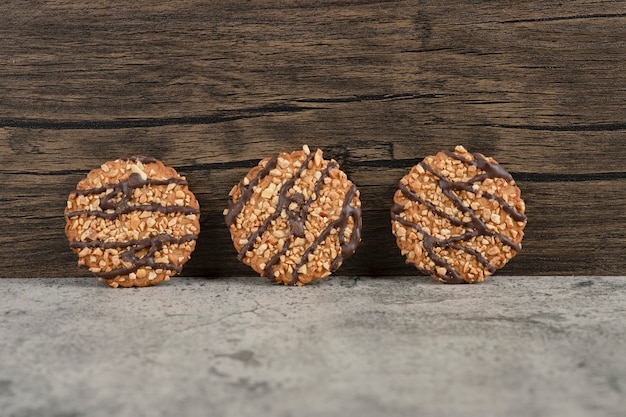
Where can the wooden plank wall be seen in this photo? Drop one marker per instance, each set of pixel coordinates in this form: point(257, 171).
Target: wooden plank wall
point(211, 87)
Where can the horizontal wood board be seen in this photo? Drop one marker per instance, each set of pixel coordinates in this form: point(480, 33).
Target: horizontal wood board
point(212, 87)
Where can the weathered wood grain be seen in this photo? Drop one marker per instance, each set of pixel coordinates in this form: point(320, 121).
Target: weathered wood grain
point(212, 87)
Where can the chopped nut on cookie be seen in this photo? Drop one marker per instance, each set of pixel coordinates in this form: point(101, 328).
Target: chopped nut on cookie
point(133, 222)
point(458, 216)
point(295, 217)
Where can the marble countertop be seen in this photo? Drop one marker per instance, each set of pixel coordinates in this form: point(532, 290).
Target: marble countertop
point(406, 346)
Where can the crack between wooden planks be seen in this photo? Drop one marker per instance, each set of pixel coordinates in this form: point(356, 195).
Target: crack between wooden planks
point(246, 163)
point(129, 123)
point(368, 97)
point(561, 18)
point(599, 127)
point(379, 163)
point(519, 176)
point(548, 177)
point(217, 117)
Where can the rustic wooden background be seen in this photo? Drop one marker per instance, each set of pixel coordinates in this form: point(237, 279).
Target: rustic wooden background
point(211, 87)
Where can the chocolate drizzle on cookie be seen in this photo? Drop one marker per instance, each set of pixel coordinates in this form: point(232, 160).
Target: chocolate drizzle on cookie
point(474, 227)
point(296, 208)
point(140, 158)
point(246, 192)
point(150, 246)
point(115, 201)
point(283, 199)
point(348, 247)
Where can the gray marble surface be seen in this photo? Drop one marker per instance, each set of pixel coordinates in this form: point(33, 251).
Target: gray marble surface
point(512, 346)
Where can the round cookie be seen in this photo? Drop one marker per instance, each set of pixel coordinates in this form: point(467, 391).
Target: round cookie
point(133, 222)
point(295, 217)
point(458, 216)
